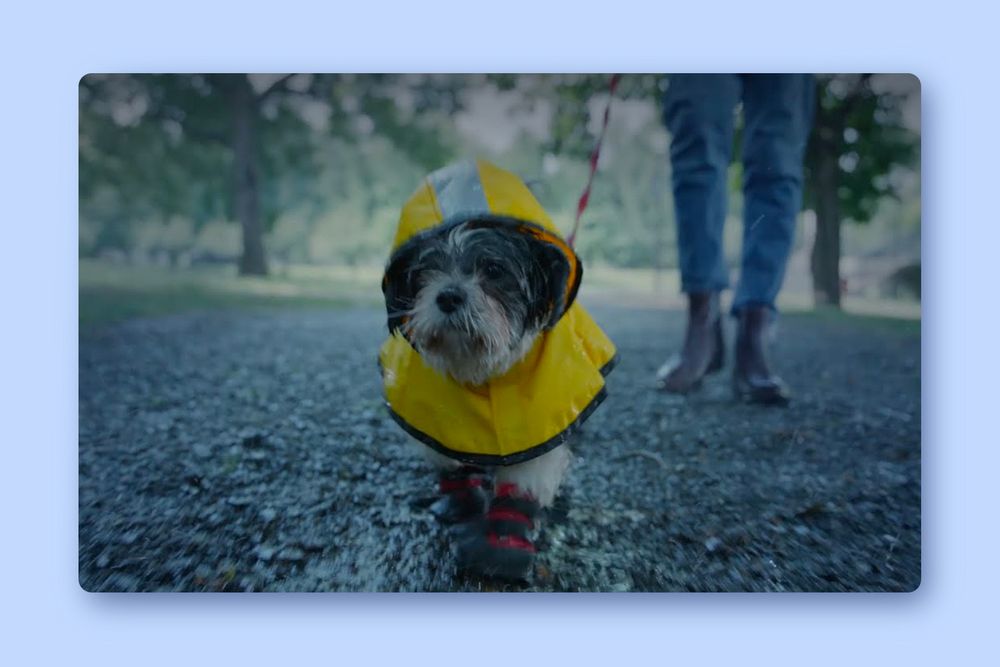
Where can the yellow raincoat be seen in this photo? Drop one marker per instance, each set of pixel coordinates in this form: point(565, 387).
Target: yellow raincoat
point(542, 398)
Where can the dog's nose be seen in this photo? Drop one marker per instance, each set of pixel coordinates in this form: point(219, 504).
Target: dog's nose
point(450, 298)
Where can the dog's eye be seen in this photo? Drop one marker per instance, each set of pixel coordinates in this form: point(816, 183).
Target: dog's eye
point(492, 270)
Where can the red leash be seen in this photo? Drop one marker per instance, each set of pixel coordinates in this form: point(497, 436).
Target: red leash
point(581, 205)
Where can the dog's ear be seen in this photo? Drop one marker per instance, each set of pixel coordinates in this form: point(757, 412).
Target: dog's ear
point(553, 269)
point(399, 287)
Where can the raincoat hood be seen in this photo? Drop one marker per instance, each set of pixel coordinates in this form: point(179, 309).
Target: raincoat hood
point(478, 190)
point(536, 404)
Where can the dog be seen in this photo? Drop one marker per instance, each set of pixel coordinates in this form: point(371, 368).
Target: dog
point(489, 362)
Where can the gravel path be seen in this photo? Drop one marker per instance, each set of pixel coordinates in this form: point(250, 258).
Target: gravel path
point(251, 452)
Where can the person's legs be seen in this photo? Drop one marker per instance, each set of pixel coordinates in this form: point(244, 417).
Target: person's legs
point(698, 112)
point(777, 111)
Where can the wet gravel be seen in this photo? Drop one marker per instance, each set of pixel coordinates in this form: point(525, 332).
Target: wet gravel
point(250, 452)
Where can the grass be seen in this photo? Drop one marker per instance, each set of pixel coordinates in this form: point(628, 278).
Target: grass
point(885, 322)
point(115, 292)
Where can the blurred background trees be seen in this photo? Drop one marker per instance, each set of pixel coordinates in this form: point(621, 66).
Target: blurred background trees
point(859, 144)
point(267, 172)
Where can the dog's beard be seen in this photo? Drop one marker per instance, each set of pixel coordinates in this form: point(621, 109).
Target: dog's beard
point(479, 341)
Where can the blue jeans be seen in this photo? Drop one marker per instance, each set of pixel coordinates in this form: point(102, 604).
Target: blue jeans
point(699, 114)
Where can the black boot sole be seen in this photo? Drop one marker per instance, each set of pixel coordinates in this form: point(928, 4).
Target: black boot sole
point(775, 395)
point(477, 558)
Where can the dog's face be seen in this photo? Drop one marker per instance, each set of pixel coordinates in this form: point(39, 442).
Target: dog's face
point(475, 297)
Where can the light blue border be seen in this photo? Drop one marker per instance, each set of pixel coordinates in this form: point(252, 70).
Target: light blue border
point(47, 619)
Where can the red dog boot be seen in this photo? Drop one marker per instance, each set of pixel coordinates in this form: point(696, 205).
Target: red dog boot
point(465, 494)
point(502, 548)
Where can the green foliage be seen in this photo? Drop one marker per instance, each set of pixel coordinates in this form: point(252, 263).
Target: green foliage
point(338, 155)
point(865, 130)
point(153, 147)
point(136, 167)
point(572, 92)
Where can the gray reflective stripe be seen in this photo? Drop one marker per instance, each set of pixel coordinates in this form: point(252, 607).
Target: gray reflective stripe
point(458, 189)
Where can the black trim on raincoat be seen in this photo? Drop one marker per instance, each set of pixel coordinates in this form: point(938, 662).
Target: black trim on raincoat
point(519, 457)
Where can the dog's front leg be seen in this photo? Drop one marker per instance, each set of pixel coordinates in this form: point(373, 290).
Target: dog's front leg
point(540, 477)
point(502, 546)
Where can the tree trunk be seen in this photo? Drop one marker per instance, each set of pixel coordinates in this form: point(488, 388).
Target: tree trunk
point(826, 248)
point(246, 195)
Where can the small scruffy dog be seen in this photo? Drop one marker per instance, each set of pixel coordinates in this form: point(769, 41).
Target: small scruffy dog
point(490, 363)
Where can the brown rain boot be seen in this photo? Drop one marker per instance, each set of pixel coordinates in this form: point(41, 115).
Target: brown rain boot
point(704, 349)
point(752, 378)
